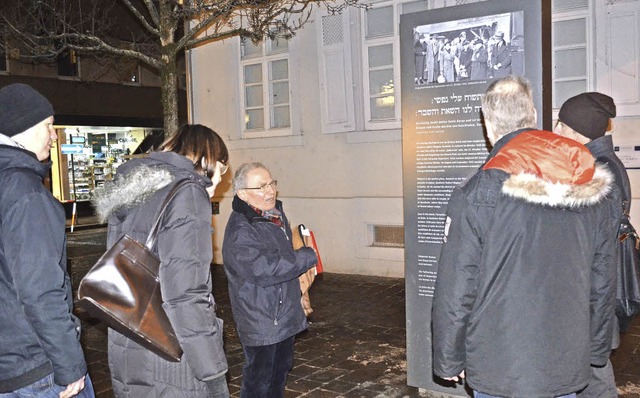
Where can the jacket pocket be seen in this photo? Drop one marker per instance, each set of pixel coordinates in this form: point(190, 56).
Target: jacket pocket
point(280, 303)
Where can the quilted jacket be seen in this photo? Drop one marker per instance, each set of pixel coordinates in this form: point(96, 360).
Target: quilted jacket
point(130, 205)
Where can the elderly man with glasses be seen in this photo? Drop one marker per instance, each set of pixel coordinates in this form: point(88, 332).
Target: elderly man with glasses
point(262, 271)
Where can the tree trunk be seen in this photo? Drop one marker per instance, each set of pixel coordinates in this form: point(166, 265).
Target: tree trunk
point(168, 74)
point(169, 90)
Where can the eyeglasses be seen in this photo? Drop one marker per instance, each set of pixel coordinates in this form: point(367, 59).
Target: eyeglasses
point(263, 188)
point(222, 167)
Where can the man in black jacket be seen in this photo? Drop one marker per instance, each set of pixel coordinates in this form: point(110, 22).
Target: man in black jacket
point(525, 278)
point(40, 352)
point(262, 271)
point(586, 119)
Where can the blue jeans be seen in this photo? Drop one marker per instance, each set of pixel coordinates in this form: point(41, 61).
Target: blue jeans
point(265, 370)
point(46, 388)
point(477, 394)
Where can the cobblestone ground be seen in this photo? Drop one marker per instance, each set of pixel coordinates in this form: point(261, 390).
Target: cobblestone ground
point(355, 345)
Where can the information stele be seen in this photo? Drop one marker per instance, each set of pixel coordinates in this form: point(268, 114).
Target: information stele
point(443, 137)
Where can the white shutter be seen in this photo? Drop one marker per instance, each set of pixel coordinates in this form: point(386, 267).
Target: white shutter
point(336, 80)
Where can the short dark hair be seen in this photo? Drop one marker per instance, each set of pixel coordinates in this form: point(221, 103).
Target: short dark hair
point(201, 145)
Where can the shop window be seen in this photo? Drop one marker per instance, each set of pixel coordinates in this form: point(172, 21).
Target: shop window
point(90, 156)
point(68, 63)
point(266, 95)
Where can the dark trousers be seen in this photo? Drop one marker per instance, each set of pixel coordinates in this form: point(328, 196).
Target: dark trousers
point(265, 370)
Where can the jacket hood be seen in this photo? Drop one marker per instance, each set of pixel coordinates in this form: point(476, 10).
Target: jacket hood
point(130, 190)
point(139, 179)
point(548, 169)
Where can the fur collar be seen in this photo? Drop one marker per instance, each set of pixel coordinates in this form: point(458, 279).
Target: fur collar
point(547, 169)
point(130, 190)
point(534, 189)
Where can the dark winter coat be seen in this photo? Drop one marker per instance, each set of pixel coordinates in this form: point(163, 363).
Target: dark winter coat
point(38, 334)
point(184, 247)
point(602, 150)
point(262, 271)
point(525, 264)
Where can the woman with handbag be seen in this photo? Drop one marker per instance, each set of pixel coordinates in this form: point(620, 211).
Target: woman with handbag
point(130, 204)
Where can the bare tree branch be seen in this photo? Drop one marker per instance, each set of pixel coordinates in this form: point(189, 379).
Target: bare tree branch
point(149, 31)
point(141, 19)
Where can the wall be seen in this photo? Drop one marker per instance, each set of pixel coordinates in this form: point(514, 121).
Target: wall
point(330, 185)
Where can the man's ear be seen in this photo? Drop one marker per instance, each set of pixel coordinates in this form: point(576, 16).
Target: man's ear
point(242, 194)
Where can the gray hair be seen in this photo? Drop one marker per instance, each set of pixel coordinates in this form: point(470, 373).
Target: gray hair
point(508, 105)
point(240, 176)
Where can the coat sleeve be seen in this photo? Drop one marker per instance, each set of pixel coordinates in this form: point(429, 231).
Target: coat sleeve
point(455, 288)
point(264, 263)
point(35, 249)
point(185, 249)
point(603, 281)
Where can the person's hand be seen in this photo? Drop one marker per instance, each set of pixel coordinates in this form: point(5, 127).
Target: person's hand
point(457, 378)
point(73, 389)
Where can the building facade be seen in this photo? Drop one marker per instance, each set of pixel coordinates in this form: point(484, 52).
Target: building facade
point(322, 111)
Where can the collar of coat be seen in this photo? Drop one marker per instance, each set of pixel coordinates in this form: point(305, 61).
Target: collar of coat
point(14, 157)
point(242, 207)
point(548, 169)
point(602, 146)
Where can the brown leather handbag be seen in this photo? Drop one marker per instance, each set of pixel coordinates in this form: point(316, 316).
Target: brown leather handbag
point(123, 290)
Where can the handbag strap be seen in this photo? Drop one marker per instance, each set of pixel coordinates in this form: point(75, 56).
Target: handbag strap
point(153, 233)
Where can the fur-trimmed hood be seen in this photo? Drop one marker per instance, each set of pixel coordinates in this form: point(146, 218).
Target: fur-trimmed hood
point(551, 170)
point(130, 190)
point(139, 179)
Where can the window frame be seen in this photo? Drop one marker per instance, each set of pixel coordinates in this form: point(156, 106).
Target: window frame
point(569, 15)
point(266, 59)
point(138, 73)
point(394, 40)
point(78, 67)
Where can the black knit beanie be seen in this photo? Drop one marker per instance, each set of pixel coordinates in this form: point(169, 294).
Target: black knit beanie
point(588, 114)
point(21, 107)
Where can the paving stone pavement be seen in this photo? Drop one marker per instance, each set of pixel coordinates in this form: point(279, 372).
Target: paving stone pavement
point(354, 347)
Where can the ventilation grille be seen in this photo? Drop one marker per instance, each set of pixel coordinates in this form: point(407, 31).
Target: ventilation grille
point(332, 30)
point(387, 235)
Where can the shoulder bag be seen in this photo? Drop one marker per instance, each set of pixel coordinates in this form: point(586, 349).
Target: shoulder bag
point(123, 290)
point(628, 284)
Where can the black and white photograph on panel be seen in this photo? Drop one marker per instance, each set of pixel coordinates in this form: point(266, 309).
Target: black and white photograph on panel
point(477, 48)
